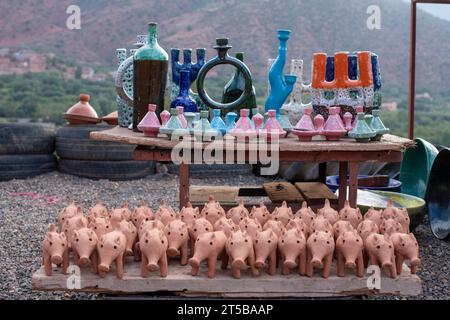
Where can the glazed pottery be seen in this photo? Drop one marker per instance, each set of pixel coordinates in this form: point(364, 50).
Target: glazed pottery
point(209, 246)
point(125, 110)
point(153, 246)
point(377, 125)
point(181, 117)
point(280, 87)
point(332, 183)
point(340, 227)
point(333, 128)
point(367, 227)
point(260, 214)
point(150, 124)
point(238, 213)
point(406, 248)
point(222, 57)
point(416, 167)
point(111, 118)
point(100, 226)
point(236, 86)
point(111, 247)
point(177, 235)
point(258, 122)
point(84, 248)
point(272, 127)
point(320, 248)
point(165, 213)
point(183, 99)
point(283, 213)
point(292, 247)
point(251, 226)
point(348, 121)
point(239, 248)
point(306, 214)
point(265, 244)
point(55, 250)
point(190, 117)
point(253, 112)
point(202, 128)
point(165, 116)
point(305, 129)
point(230, 120)
point(328, 212)
point(380, 250)
point(217, 122)
point(82, 112)
point(212, 210)
point(437, 200)
point(188, 214)
point(284, 120)
point(243, 127)
point(362, 132)
point(173, 126)
point(350, 214)
point(349, 249)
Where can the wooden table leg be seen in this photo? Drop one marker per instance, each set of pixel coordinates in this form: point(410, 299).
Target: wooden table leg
point(184, 184)
point(353, 183)
point(342, 183)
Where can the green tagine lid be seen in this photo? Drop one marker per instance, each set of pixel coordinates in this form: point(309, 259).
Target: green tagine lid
point(362, 132)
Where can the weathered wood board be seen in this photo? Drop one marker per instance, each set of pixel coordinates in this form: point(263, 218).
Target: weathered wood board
point(179, 281)
point(315, 191)
point(223, 194)
point(282, 191)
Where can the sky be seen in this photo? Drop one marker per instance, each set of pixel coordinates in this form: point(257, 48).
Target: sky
point(439, 10)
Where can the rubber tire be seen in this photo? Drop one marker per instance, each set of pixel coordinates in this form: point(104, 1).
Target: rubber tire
point(205, 170)
point(25, 166)
point(73, 142)
point(111, 170)
point(27, 138)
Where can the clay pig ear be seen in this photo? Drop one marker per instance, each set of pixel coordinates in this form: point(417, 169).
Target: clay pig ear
point(52, 227)
point(80, 210)
point(253, 209)
point(117, 240)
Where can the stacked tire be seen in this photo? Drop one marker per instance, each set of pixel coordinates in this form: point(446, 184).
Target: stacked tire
point(83, 157)
point(26, 150)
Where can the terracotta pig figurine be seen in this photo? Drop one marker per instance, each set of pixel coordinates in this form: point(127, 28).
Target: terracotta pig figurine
point(239, 248)
point(238, 213)
point(55, 250)
point(328, 212)
point(292, 246)
point(275, 226)
point(299, 224)
point(111, 247)
point(260, 214)
point(350, 214)
point(68, 212)
point(141, 213)
point(306, 214)
point(390, 226)
point(320, 249)
point(153, 247)
point(200, 226)
point(188, 214)
point(367, 227)
point(209, 246)
point(349, 249)
point(165, 213)
point(84, 245)
point(178, 236)
point(340, 227)
point(251, 226)
point(380, 250)
point(402, 217)
point(100, 226)
point(320, 223)
point(225, 225)
point(265, 244)
point(130, 232)
point(390, 212)
point(283, 213)
point(212, 211)
point(405, 248)
point(124, 212)
point(374, 215)
point(78, 221)
point(99, 210)
point(143, 228)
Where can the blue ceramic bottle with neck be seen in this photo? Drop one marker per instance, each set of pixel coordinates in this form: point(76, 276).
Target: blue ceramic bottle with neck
point(183, 98)
point(280, 86)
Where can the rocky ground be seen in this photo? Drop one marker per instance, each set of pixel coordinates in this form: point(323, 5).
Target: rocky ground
point(28, 206)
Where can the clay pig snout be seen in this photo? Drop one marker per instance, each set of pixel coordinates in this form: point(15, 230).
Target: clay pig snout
point(55, 244)
point(110, 246)
point(350, 244)
point(177, 234)
point(84, 242)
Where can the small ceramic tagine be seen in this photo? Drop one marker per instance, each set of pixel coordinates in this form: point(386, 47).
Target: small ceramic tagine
point(253, 112)
point(362, 132)
point(217, 122)
point(202, 128)
point(173, 125)
point(358, 109)
point(181, 117)
point(190, 117)
point(272, 127)
point(165, 116)
point(112, 119)
point(377, 125)
point(243, 127)
point(150, 124)
point(284, 121)
point(333, 129)
point(305, 129)
point(82, 112)
point(258, 121)
point(348, 121)
point(230, 119)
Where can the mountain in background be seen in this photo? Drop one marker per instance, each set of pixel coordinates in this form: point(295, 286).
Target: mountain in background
point(317, 25)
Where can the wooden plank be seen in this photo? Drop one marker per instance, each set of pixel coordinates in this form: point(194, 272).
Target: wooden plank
point(315, 191)
point(282, 191)
point(374, 181)
point(180, 281)
point(223, 194)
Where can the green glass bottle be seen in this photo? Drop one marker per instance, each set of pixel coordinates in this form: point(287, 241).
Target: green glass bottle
point(234, 88)
point(150, 67)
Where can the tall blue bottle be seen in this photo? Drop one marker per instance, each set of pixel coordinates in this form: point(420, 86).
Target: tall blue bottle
point(183, 98)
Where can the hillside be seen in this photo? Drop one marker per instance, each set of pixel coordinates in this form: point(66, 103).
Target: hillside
point(317, 25)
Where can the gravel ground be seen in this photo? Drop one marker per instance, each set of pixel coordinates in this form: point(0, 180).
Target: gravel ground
point(25, 219)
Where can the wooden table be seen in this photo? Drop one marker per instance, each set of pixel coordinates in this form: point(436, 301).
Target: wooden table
point(347, 152)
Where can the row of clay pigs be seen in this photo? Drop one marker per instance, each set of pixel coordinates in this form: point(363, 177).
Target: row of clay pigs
point(239, 235)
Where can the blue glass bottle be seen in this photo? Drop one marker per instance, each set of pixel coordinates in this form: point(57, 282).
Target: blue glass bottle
point(183, 98)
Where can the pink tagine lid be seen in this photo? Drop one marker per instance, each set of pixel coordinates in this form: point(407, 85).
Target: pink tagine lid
point(272, 125)
point(181, 117)
point(165, 116)
point(305, 123)
point(82, 112)
point(243, 127)
point(150, 123)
